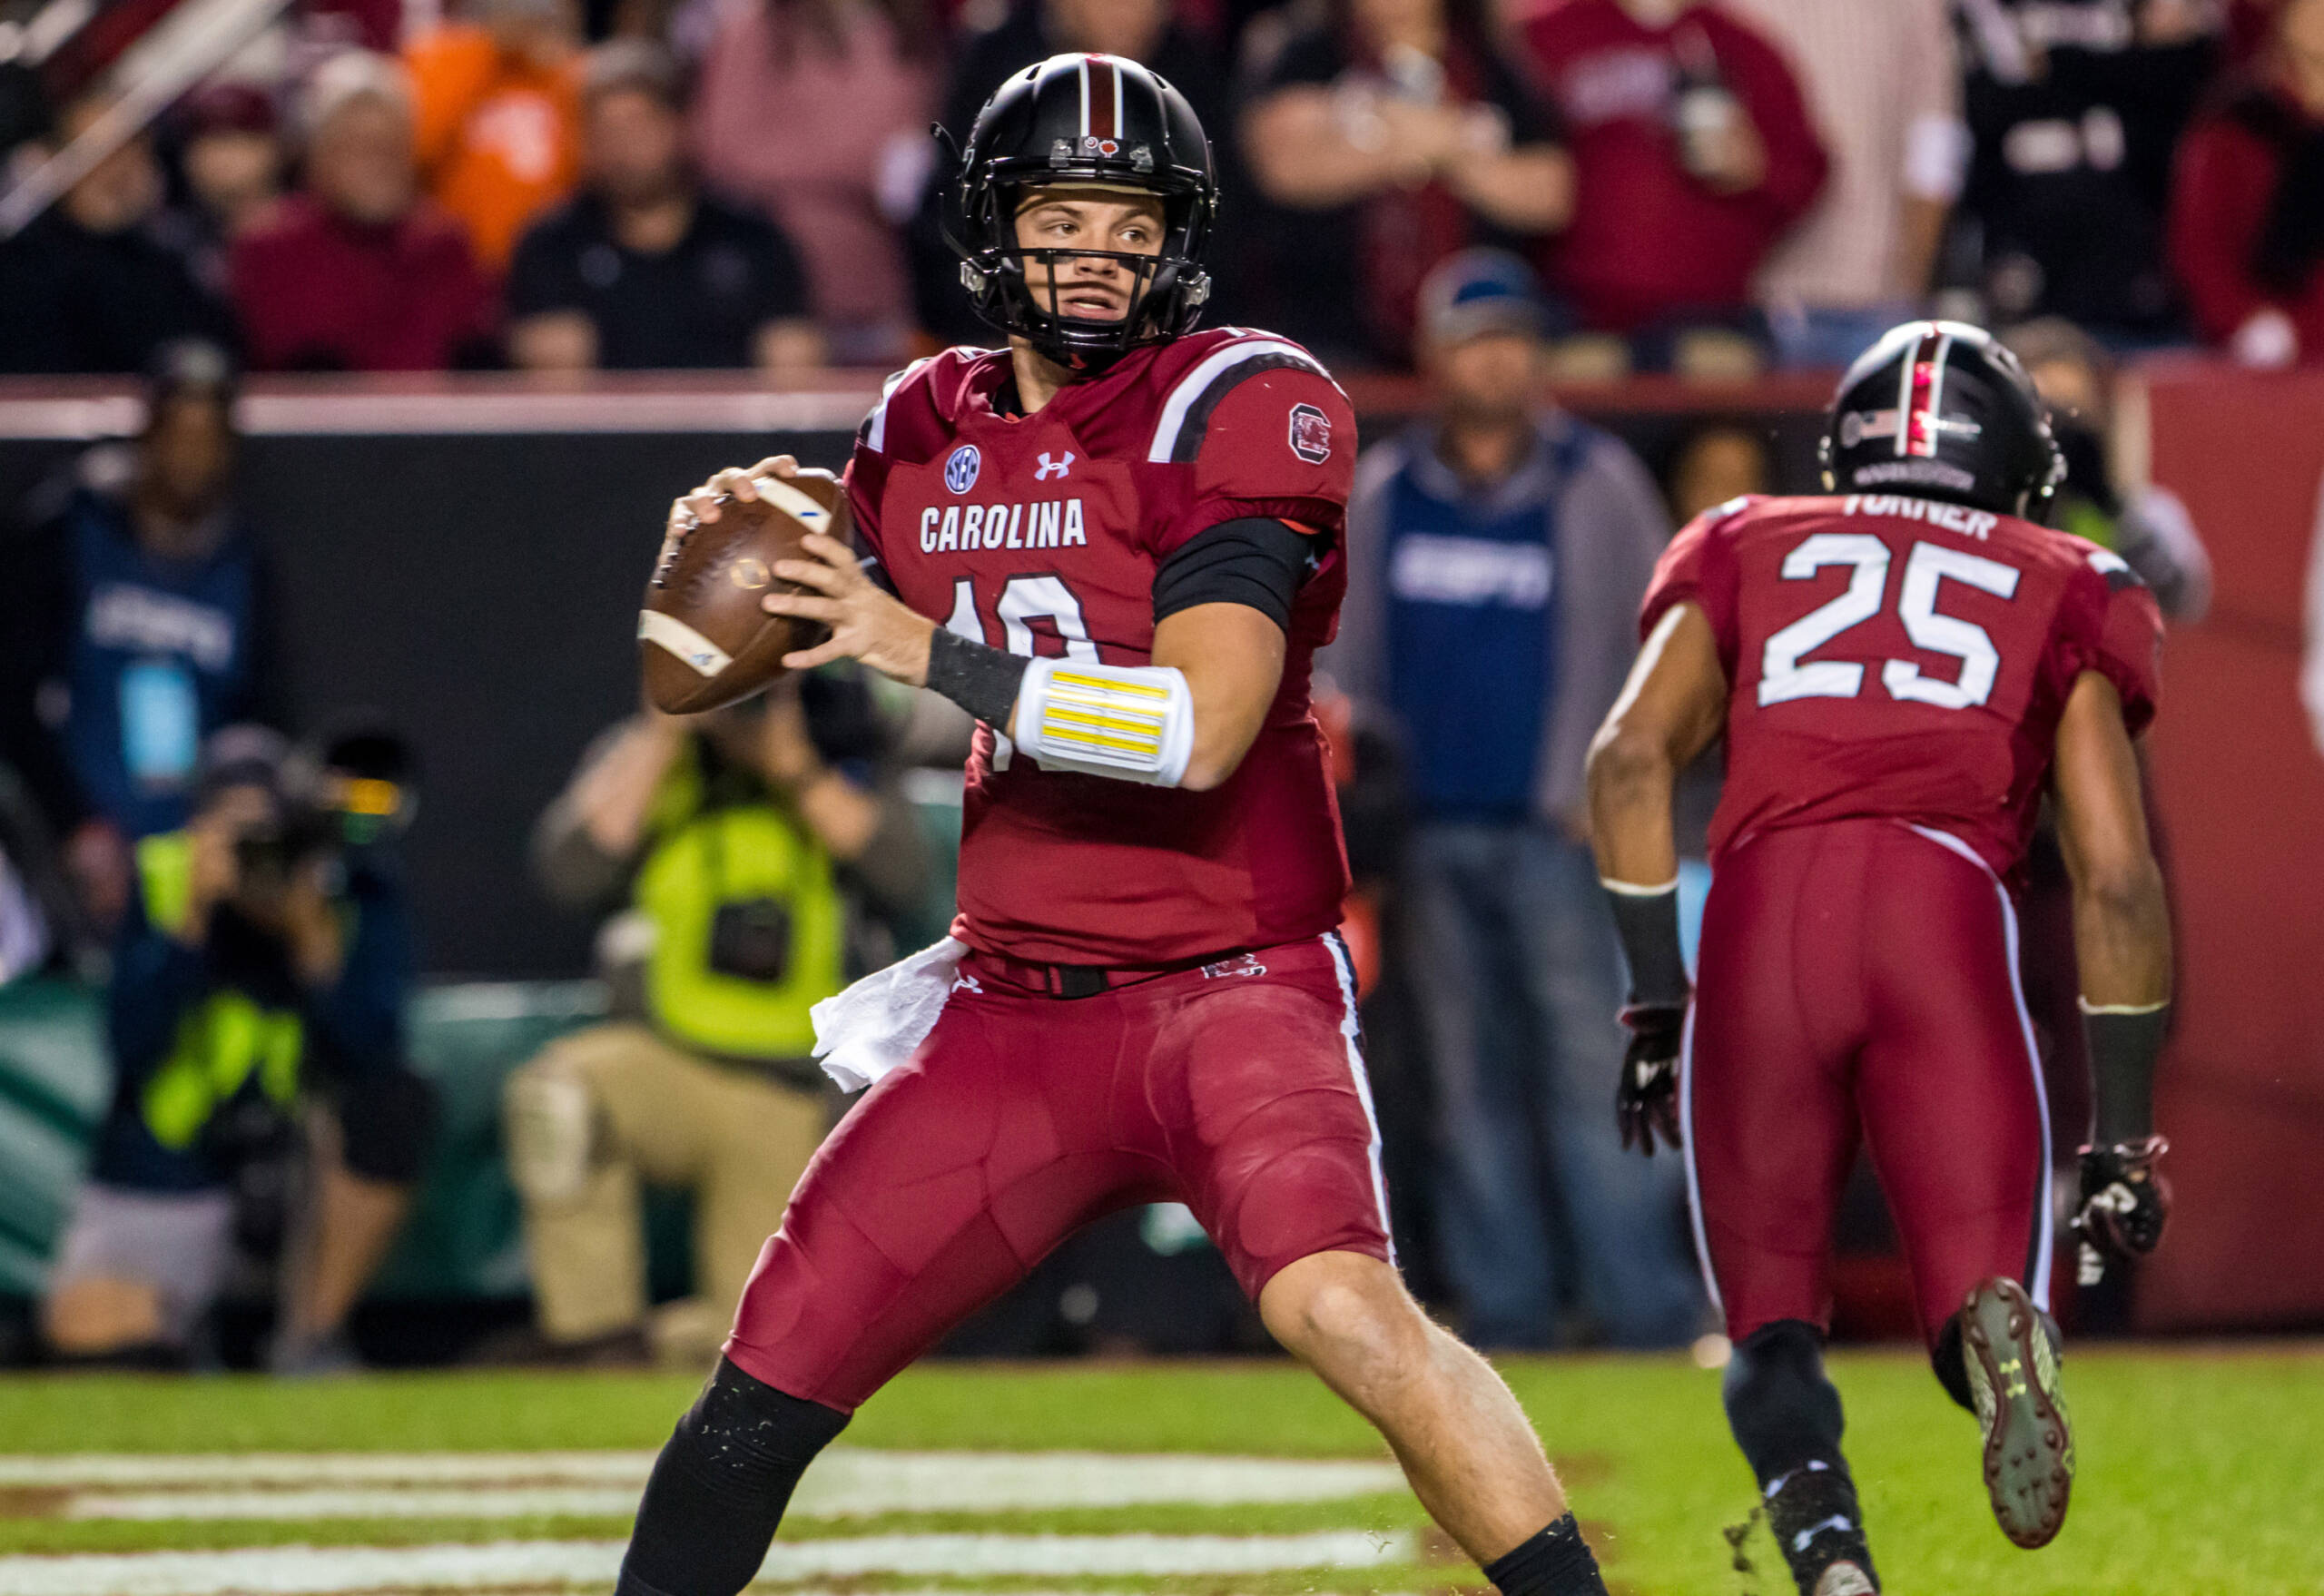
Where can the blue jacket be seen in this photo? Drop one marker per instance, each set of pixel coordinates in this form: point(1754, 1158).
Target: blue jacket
point(130, 660)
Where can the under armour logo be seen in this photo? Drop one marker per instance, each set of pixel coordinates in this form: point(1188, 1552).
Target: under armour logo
point(965, 983)
point(1051, 466)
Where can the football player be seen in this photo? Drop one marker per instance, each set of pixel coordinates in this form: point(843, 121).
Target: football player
point(1900, 673)
point(1116, 543)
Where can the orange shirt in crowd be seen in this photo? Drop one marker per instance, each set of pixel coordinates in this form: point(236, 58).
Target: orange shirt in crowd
point(499, 133)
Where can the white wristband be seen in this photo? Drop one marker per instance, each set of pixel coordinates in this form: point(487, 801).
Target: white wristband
point(1131, 722)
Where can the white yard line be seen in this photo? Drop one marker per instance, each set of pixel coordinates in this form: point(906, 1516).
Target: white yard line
point(845, 1483)
point(309, 1570)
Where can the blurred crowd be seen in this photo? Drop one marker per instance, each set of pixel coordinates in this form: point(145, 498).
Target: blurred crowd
point(1489, 200)
point(1705, 186)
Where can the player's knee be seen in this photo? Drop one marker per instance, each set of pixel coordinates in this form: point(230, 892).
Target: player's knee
point(1784, 1411)
point(387, 1118)
point(1343, 1312)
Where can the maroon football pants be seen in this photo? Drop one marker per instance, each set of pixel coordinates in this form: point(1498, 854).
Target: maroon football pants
point(1860, 978)
point(1237, 1089)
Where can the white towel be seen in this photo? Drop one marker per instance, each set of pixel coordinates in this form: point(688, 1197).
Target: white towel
point(876, 1024)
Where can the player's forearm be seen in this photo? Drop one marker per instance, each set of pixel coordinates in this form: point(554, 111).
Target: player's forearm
point(2122, 944)
point(1631, 782)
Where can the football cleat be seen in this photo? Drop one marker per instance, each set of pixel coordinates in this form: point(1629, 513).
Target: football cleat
point(2012, 1362)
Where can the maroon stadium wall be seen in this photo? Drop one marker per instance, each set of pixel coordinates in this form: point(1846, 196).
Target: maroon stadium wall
point(2241, 792)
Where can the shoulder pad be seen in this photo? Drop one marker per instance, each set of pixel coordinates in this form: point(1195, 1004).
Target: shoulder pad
point(1185, 420)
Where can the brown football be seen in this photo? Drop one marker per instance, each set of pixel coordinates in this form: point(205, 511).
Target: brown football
point(702, 639)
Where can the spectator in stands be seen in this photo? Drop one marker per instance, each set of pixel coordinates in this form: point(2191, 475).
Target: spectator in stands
point(643, 270)
point(1500, 550)
point(735, 839)
point(1393, 134)
point(104, 277)
point(260, 969)
point(1029, 31)
point(2247, 223)
point(496, 112)
point(1693, 155)
point(1716, 463)
point(359, 272)
point(1884, 88)
point(2147, 524)
point(816, 111)
point(233, 157)
point(135, 623)
point(2074, 107)
point(39, 921)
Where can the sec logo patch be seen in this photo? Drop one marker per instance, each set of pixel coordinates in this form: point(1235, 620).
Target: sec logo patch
point(1311, 434)
point(960, 471)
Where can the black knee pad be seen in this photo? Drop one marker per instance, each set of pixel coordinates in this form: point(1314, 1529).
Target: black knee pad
point(1785, 1414)
point(386, 1117)
point(719, 1486)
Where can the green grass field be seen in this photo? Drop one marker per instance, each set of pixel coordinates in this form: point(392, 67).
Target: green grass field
point(2200, 1469)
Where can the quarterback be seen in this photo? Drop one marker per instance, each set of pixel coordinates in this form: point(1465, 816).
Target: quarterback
point(1899, 672)
point(1116, 543)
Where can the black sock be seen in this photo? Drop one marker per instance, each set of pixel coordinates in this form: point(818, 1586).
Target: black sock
point(719, 1486)
point(1782, 1409)
point(1557, 1561)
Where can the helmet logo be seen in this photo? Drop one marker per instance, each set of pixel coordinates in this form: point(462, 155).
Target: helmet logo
point(1091, 144)
point(1060, 152)
point(1142, 158)
point(960, 471)
point(1311, 434)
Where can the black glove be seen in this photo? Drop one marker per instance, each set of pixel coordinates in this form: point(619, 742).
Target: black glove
point(2124, 1204)
point(1646, 1101)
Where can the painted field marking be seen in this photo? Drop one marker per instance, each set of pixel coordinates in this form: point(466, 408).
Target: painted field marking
point(845, 1483)
point(311, 1571)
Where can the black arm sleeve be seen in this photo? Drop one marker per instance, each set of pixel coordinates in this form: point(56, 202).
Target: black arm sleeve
point(1647, 924)
point(1257, 561)
point(980, 678)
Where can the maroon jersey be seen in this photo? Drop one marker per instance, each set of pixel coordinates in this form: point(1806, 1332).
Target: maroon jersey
point(1898, 657)
point(1041, 533)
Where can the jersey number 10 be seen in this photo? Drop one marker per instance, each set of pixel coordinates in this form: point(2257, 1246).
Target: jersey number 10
point(1782, 677)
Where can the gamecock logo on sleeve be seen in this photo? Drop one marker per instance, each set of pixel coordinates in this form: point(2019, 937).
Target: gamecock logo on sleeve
point(1311, 434)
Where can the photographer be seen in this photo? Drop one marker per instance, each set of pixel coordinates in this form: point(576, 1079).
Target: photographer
point(265, 962)
point(741, 842)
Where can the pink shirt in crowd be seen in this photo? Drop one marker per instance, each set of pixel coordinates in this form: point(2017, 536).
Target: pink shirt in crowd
point(808, 138)
point(1647, 239)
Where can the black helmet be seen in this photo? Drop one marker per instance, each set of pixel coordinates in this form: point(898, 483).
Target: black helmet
point(1096, 121)
point(1942, 410)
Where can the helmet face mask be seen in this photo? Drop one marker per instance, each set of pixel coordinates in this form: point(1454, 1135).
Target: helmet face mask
point(1939, 409)
point(1088, 122)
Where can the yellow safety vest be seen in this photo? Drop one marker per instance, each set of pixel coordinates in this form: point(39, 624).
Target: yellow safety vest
point(224, 1038)
point(706, 858)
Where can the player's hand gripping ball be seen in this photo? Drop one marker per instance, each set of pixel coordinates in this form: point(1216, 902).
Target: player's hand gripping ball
point(704, 637)
point(1646, 1101)
point(2125, 1203)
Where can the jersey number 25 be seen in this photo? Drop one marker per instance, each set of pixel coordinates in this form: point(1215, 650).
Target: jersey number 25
point(1783, 677)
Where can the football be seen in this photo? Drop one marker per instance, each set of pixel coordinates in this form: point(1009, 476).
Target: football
point(702, 639)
